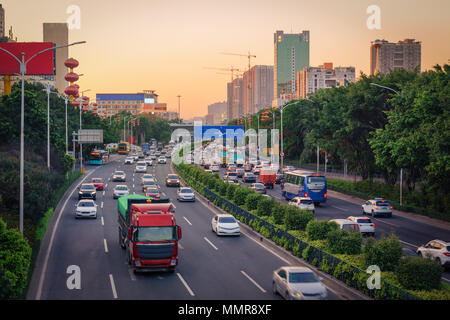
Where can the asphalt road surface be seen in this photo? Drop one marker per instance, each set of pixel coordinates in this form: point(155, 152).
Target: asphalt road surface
point(210, 267)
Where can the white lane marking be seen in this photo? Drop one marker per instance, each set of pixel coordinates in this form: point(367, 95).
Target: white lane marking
point(180, 246)
point(113, 286)
point(409, 244)
point(109, 179)
point(101, 205)
point(187, 221)
point(206, 239)
point(103, 221)
point(103, 193)
point(340, 208)
point(133, 186)
point(253, 281)
point(174, 206)
point(106, 245)
point(271, 251)
point(185, 284)
point(163, 194)
point(47, 254)
point(106, 185)
point(132, 275)
point(390, 224)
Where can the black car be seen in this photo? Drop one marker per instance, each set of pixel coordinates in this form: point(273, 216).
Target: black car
point(87, 191)
point(240, 172)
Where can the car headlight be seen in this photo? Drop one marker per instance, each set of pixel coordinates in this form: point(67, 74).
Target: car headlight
point(80, 192)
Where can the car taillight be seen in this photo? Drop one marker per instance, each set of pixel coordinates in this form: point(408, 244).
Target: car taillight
point(447, 254)
point(306, 194)
point(376, 207)
point(325, 195)
point(391, 207)
point(372, 225)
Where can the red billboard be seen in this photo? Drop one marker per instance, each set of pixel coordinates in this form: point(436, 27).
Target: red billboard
point(42, 64)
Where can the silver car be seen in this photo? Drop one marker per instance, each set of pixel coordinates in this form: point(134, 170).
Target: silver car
point(185, 194)
point(298, 283)
point(120, 190)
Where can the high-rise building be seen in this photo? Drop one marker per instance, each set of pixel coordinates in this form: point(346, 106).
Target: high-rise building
point(234, 99)
point(58, 33)
point(2, 22)
point(291, 54)
point(257, 88)
point(311, 79)
point(386, 56)
point(217, 110)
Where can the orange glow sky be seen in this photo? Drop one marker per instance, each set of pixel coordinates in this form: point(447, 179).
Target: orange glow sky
point(164, 45)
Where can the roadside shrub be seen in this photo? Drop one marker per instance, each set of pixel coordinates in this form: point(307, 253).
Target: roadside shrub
point(344, 242)
point(278, 213)
point(415, 273)
point(240, 195)
point(296, 219)
point(230, 191)
point(325, 265)
point(223, 188)
point(15, 259)
point(251, 202)
point(318, 230)
point(306, 253)
point(264, 207)
point(384, 253)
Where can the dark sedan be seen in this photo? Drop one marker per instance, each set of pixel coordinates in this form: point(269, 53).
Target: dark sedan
point(249, 177)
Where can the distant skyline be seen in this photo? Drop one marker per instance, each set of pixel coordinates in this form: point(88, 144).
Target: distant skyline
point(165, 45)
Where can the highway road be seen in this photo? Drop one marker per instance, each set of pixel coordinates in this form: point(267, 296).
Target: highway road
point(411, 233)
point(210, 267)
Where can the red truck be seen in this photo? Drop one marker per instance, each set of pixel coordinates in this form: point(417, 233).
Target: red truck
point(267, 177)
point(149, 233)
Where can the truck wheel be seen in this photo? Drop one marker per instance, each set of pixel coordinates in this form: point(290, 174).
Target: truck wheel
point(121, 242)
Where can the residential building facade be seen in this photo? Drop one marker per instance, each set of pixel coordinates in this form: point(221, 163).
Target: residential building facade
point(386, 56)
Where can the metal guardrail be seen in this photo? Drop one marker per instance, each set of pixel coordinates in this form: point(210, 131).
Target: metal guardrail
point(388, 291)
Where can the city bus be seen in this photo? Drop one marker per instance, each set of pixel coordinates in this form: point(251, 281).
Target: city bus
point(98, 157)
point(123, 148)
point(299, 183)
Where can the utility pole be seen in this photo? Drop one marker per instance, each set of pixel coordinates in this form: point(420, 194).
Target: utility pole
point(179, 107)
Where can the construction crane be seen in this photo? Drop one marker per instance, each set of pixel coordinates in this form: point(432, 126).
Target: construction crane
point(232, 70)
point(249, 56)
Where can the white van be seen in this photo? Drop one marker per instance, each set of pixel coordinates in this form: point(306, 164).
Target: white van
point(345, 224)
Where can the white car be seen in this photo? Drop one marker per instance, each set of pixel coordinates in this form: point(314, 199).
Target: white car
point(225, 225)
point(147, 177)
point(437, 250)
point(120, 190)
point(119, 176)
point(185, 194)
point(215, 168)
point(162, 160)
point(303, 203)
point(366, 226)
point(86, 209)
point(345, 224)
point(377, 207)
point(129, 160)
point(135, 157)
point(141, 166)
point(298, 283)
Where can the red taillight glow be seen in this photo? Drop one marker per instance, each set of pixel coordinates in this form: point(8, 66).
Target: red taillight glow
point(447, 254)
point(325, 195)
point(391, 207)
point(372, 225)
point(306, 194)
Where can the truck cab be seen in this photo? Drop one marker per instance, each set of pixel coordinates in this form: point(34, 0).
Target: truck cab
point(149, 233)
point(267, 177)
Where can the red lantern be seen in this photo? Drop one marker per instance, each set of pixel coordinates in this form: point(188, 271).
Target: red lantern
point(71, 63)
point(71, 77)
point(84, 109)
point(77, 86)
point(71, 91)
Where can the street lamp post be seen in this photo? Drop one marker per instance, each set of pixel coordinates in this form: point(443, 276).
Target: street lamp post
point(48, 91)
point(401, 169)
point(23, 70)
point(81, 100)
point(282, 144)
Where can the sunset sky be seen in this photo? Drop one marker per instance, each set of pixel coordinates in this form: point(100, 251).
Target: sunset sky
point(164, 45)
